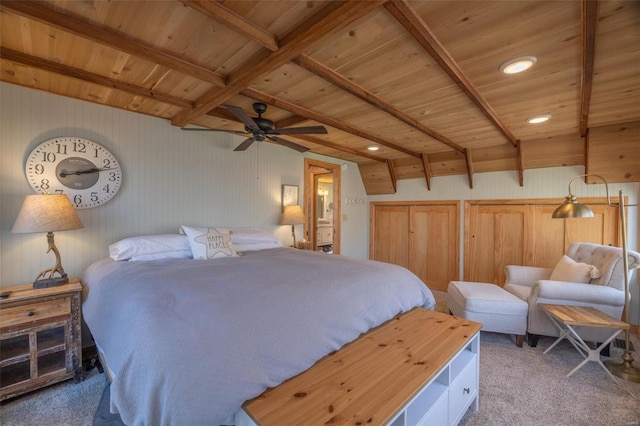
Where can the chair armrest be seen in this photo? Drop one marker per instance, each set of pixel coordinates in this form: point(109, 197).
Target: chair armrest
point(578, 292)
point(526, 275)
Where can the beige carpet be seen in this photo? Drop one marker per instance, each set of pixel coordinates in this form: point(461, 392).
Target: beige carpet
point(525, 377)
point(518, 386)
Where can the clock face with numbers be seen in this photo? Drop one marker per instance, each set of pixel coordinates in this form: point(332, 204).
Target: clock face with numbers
point(83, 170)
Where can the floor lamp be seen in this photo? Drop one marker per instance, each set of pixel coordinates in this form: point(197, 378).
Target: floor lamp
point(573, 209)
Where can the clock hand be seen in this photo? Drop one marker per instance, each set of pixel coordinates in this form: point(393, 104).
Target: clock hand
point(82, 172)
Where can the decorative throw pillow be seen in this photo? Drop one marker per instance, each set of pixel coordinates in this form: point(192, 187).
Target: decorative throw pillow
point(569, 270)
point(147, 244)
point(209, 243)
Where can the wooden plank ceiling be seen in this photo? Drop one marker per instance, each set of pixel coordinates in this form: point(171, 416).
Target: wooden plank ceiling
point(418, 79)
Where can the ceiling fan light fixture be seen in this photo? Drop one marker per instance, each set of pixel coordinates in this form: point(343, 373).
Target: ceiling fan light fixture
point(373, 147)
point(537, 119)
point(519, 64)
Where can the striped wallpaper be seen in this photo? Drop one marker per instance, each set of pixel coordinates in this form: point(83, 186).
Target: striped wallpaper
point(170, 178)
point(173, 178)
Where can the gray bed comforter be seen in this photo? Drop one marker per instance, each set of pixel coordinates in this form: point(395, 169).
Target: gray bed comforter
point(190, 340)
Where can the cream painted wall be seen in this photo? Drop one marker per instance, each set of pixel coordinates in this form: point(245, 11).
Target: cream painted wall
point(538, 183)
point(171, 178)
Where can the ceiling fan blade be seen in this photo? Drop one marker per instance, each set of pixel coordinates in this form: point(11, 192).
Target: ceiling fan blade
point(288, 144)
point(199, 129)
point(244, 117)
point(310, 130)
point(244, 145)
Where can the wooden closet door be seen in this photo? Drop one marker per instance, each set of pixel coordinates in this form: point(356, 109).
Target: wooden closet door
point(422, 236)
point(602, 228)
point(548, 244)
point(390, 241)
point(433, 249)
point(522, 232)
point(494, 238)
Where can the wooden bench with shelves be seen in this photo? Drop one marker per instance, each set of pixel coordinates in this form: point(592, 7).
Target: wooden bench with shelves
point(420, 368)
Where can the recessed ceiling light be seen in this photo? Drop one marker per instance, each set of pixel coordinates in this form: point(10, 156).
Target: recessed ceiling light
point(519, 64)
point(373, 148)
point(538, 119)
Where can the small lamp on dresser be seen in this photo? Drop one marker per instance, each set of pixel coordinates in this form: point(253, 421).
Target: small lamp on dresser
point(293, 215)
point(47, 213)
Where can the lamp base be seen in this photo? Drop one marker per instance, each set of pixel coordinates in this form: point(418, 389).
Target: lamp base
point(50, 282)
point(624, 369)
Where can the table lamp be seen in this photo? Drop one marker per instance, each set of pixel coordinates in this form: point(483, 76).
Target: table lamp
point(573, 209)
point(293, 215)
point(47, 213)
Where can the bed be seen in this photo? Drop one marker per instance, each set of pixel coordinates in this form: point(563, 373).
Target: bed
point(187, 341)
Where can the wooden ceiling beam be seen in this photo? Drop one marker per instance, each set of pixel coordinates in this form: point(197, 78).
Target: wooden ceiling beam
point(116, 40)
point(469, 161)
point(337, 147)
point(219, 12)
point(333, 16)
point(520, 163)
point(223, 113)
point(289, 121)
point(587, 154)
point(311, 115)
point(392, 175)
point(414, 24)
point(589, 18)
point(67, 71)
point(360, 92)
point(427, 170)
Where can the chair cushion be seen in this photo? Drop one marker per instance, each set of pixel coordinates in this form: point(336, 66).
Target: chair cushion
point(522, 291)
point(569, 270)
point(496, 309)
point(484, 297)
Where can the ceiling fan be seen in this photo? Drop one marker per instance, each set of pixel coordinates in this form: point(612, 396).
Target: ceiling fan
point(260, 129)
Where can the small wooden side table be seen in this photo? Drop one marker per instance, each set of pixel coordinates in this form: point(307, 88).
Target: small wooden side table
point(566, 317)
point(40, 341)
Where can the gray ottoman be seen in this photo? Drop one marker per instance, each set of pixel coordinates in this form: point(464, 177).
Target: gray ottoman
point(492, 306)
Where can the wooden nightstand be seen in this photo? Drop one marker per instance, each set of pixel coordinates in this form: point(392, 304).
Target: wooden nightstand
point(40, 337)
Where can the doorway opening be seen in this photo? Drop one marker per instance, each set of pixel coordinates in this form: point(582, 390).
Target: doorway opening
point(322, 205)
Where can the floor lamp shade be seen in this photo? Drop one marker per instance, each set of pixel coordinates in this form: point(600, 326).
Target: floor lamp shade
point(572, 209)
point(47, 213)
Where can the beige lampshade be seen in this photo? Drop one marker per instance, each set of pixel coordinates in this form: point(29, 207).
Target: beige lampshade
point(292, 215)
point(46, 213)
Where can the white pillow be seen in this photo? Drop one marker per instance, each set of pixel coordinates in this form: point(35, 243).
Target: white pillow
point(251, 236)
point(246, 235)
point(240, 248)
point(176, 254)
point(209, 243)
point(569, 270)
point(147, 244)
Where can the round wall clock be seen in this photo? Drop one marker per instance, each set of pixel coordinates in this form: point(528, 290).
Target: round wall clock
point(83, 170)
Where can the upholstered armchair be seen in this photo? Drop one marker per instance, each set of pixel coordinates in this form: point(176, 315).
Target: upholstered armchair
point(603, 290)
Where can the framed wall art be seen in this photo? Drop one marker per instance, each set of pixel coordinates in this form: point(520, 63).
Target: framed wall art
point(289, 195)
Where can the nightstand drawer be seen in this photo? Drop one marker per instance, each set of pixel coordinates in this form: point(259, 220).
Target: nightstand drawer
point(33, 312)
